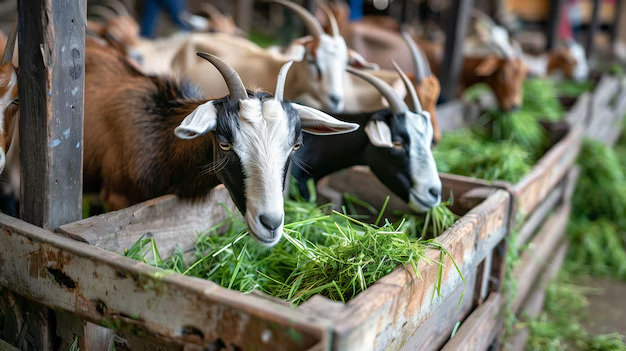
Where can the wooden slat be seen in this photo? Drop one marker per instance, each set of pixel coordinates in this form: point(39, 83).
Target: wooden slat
point(387, 313)
point(51, 81)
point(113, 291)
point(172, 222)
point(579, 111)
point(534, 302)
point(548, 172)
point(539, 253)
point(593, 27)
point(539, 214)
point(479, 329)
point(460, 11)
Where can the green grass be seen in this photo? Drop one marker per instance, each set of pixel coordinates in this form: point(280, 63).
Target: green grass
point(322, 252)
point(571, 88)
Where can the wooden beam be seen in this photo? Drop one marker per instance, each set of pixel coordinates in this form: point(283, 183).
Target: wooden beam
point(552, 26)
point(51, 82)
point(593, 26)
point(619, 7)
point(453, 54)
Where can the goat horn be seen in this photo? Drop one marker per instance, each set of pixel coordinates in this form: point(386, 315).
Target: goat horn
point(421, 66)
point(233, 81)
point(10, 46)
point(334, 27)
point(414, 102)
point(481, 16)
point(280, 83)
point(310, 22)
point(105, 12)
point(118, 7)
point(395, 103)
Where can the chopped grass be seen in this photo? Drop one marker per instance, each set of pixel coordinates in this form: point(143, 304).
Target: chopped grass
point(465, 153)
point(322, 252)
point(572, 88)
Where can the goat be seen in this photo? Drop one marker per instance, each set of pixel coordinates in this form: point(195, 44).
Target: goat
point(9, 119)
point(147, 136)
point(395, 143)
point(566, 60)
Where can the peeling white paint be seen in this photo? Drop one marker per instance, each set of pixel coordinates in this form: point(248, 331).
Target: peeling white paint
point(54, 143)
point(66, 133)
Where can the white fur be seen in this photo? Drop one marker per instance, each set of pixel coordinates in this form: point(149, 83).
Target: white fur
point(424, 173)
point(262, 143)
point(581, 71)
point(332, 59)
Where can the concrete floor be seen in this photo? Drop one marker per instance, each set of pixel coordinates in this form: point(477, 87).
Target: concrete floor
point(607, 306)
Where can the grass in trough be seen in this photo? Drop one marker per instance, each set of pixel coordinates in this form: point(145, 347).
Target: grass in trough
point(322, 252)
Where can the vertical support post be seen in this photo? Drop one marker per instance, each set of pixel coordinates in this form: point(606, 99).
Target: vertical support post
point(593, 27)
point(453, 55)
point(244, 14)
point(553, 25)
point(51, 84)
point(615, 28)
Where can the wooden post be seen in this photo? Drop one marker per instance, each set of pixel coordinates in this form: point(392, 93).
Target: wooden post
point(619, 7)
point(51, 84)
point(593, 26)
point(453, 55)
point(245, 9)
point(554, 20)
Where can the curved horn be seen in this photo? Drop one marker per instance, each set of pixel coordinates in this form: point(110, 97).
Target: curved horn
point(10, 46)
point(105, 12)
point(415, 104)
point(310, 22)
point(280, 83)
point(232, 79)
point(395, 103)
point(118, 7)
point(420, 64)
point(334, 27)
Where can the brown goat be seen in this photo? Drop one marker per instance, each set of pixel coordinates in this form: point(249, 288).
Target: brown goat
point(9, 102)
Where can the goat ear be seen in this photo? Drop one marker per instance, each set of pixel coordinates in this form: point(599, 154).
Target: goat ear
point(379, 133)
point(317, 122)
point(202, 120)
point(487, 66)
point(357, 61)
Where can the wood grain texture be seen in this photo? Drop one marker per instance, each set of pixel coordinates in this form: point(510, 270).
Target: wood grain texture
point(534, 302)
point(172, 222)
point(113, 291)
point(479, 329)
point(530, 225)
point(51, 83)
point(391, 310)
point(538, 254)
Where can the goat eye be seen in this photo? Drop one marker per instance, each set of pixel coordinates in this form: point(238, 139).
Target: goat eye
point(225, 146)
point(16, 101)
point(398, 145)
point(297, 146)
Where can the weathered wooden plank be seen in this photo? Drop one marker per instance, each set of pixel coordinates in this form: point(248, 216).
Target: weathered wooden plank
point(539, 214)
point(534, 302)
point(579, 111)
point(460, 11)
point(537, 255)
point(387, 313)
point(548, 171)
point(172, 222)
point(479, 329)
point(51, 82)
point(113, 291)
point(436, 330)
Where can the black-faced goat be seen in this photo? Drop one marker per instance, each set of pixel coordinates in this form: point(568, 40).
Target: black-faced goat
point(145, 137)
point(395, 143)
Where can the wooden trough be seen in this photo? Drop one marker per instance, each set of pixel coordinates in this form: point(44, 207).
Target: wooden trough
point(607, 108)
point(543, 193)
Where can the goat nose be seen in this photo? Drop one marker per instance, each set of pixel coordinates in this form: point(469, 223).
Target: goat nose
point(334, 99)
point(271, 221)
point(435, 192)
point(514, 107)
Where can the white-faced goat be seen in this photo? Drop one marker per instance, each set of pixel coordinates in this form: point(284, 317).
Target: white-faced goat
point(395, 143)
point(147, 136)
